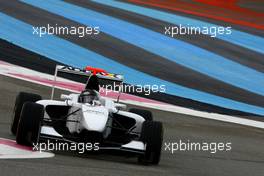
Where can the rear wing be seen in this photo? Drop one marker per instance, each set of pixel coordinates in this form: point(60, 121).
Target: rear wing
point(87, 71)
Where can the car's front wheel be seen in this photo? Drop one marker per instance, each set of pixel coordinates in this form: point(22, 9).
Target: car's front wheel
point(152, 136)
point(29, 123)
point(21, 98)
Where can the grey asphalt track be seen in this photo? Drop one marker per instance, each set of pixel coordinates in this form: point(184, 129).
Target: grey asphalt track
point(245, 158)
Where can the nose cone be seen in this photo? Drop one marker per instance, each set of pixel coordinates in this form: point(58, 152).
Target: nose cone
point(94, 118)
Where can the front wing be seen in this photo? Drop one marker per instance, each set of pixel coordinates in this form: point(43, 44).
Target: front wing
point(49, 133)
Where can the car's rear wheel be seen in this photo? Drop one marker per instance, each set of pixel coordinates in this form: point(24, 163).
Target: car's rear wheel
point(21, 98)
point(152, 136)
point(147, 115)
point(29, 123)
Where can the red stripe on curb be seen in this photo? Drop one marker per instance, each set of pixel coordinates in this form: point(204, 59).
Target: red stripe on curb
point(213, 13)
point(12, 143)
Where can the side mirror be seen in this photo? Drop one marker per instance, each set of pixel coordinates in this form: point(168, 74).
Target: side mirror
point(65, 97)
point(120, 106)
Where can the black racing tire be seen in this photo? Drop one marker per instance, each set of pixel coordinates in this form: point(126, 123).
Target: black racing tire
point(147, 115)
point(21, 98)
point(29, 123)
point(152, 136)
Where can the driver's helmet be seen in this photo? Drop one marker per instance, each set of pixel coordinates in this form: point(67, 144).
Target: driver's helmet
point(88, 96)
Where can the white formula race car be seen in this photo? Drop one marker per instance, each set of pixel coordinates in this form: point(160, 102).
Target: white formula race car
point(88, 117)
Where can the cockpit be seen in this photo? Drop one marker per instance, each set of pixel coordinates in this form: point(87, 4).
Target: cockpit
point(89, 96)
